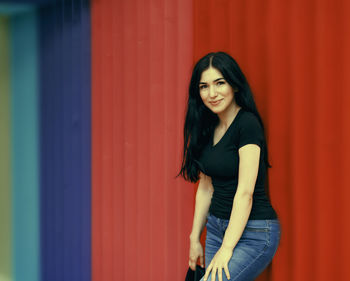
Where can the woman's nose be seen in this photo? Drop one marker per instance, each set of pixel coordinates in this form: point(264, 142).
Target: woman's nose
point(212, 92)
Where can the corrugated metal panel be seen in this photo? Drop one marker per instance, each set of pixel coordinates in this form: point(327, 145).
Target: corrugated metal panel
point(65, 140)
point(142, 216)
point(294, 54)
point(24, 146)
point(5, 152)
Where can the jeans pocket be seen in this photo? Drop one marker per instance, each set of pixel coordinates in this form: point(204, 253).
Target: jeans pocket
point(255, 239)
point(257, 229)
point(257, 226)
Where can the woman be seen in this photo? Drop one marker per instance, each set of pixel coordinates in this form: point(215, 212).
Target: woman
point(225, 149)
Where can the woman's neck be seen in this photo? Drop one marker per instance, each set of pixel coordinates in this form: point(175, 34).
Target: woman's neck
point(226, 117)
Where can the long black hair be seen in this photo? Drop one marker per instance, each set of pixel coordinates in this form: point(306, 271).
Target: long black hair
point(200, 121)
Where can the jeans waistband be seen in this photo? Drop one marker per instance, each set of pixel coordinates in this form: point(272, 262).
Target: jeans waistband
point(223, 223)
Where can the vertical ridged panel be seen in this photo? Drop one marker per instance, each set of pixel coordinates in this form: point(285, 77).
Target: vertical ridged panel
point(278, 126)
point(327, 103)
point(65, 139)
point(343, 124)
point(5, 152)
point(25, 160)
point(294, 55)
point(142, 59)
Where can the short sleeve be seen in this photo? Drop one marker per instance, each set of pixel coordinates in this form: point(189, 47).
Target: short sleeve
point(250, 131)
point(199, 165)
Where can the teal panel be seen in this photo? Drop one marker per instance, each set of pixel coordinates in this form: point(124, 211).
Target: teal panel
point(12, 9)
point(5, 155)
point(25, 166)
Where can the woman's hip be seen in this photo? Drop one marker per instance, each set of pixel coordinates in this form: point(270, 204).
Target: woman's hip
point(253, 252)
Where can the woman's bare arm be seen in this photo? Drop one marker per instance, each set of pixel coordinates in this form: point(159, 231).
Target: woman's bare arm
point(242, 204)
point(203, 199)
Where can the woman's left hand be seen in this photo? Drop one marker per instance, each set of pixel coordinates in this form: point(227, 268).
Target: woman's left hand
point(219, 263)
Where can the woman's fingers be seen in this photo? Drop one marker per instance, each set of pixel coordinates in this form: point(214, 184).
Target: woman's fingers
point(196, 251)
point(201, 260)
point(208, 271)
point(220, 274)
point(227, 272)
point(216, 270)
point(213, 273)
point(192, 264)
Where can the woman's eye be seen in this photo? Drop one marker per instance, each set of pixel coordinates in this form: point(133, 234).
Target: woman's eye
point(220, 83)
point(202, 87)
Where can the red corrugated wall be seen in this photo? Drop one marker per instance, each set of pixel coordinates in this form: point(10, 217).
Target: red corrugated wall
point(295, 55)
point(142, 57)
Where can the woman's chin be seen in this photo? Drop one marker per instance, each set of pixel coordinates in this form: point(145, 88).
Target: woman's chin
point(216, 109)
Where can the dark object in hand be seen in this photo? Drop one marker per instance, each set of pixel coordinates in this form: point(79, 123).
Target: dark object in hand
point(195, 275)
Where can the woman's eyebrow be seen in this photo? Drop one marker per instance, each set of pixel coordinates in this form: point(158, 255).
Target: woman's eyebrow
point(213, 81)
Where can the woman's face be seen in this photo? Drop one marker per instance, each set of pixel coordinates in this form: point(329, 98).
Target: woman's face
point(214, 90)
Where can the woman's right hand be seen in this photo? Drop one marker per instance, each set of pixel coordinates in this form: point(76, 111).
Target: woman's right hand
point(196, 251)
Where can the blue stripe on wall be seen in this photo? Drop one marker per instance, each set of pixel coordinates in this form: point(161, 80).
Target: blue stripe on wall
point(24, 114)
point(65, 141)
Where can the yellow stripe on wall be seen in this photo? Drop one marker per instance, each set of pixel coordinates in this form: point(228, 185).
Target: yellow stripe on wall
point(5, 165)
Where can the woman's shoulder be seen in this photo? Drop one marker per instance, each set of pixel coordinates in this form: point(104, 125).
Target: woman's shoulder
point(249, 130)
point(248, 118)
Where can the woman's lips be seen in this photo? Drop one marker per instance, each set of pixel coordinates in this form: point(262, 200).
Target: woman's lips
point(215, 102)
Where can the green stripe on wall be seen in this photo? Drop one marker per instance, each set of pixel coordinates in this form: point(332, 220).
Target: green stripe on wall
point(25, 170)
point(5, 157)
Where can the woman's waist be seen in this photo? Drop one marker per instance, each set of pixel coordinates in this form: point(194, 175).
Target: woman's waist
point(262, 224)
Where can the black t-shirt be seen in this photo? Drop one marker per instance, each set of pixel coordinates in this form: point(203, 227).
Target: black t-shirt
point(221, 163)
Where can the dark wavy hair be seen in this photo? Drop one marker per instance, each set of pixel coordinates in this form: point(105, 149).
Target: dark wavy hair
point(200, 121)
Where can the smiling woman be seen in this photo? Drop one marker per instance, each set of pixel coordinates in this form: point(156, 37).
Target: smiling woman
point(225, 149)
point(215, 92)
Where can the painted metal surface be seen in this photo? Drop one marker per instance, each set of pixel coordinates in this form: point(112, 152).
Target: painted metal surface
point(25, 146)
point(294, 54)
point(141, 214)
point(65, 141)
point(5, 152)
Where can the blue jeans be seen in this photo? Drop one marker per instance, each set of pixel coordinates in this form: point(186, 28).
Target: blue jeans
point(253, 252)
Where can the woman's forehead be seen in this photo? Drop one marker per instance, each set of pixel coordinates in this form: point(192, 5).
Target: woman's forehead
point(210, 74)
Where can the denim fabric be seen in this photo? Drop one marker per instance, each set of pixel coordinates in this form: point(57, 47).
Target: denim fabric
point(253, 252)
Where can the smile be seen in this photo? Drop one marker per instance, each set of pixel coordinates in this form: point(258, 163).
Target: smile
point(215, 102)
